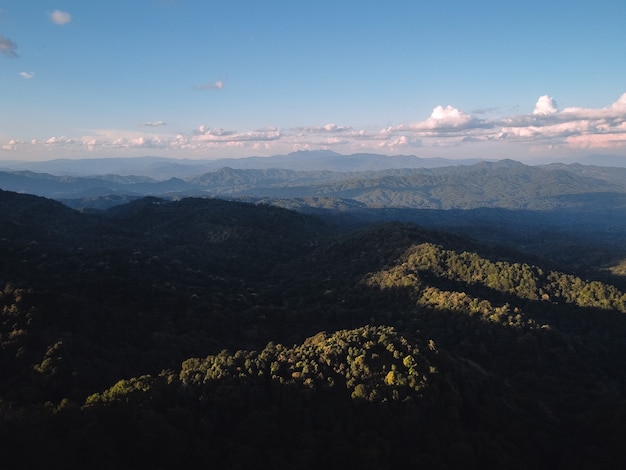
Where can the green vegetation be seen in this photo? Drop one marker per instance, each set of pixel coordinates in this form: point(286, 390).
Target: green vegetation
point(208, 333)
point(520, 280)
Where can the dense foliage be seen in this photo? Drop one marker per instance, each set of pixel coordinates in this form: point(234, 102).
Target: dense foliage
point(211, 333)
point(504, 184)
point(556, 211)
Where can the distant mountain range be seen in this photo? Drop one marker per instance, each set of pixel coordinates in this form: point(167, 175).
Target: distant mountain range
point(324, 310)
point(164, 168)
point(504, 184)
point(160, 168)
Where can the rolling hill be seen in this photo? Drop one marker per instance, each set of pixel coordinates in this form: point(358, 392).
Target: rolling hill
point(181, 333)
point(505, 184)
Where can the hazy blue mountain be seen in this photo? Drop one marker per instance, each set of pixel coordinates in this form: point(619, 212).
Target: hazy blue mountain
point(605, 160)
point(610, 174)
point(504, 184)
point(60, 187)
point(92, 166)
point(161, 168)
point(165, 168)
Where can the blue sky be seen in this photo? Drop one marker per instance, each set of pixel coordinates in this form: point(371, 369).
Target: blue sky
point(534, 80)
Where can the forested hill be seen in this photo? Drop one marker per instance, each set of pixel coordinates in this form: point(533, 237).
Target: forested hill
point(179, 334)
point(505, 184)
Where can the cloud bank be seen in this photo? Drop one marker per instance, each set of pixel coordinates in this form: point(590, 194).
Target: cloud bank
point(545, 129)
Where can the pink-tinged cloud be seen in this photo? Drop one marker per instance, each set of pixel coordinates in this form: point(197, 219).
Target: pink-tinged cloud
point(395, 141)
point(60, 17)
point(60, 141)
point(204, 134)
point(572, 127)
point(620, 104)
point(327, 128)
point(563, 129)
point(616, 110)
point(10, 145)
point(546, 128)
point(335, 141)
point(606, 141)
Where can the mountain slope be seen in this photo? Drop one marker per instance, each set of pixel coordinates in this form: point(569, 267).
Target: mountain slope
point(245, 335)
point(504, 184)
point(164, 168)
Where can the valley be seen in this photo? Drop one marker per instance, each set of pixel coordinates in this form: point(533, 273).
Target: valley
point(252, 329)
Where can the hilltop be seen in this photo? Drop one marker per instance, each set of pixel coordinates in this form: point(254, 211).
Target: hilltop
point(554, 211)
point(503, 184)
point(181, 332)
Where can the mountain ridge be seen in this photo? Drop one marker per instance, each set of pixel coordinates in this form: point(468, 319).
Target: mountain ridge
point(204, 329)
point(505, 184)
point(162, 167)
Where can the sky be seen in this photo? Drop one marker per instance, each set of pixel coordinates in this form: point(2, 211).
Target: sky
point(534, 81)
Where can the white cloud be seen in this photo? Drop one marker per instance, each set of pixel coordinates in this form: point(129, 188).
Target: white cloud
point(10, 145)
point(218, 85)
point(620, 104)
point(207, 131)
point(604, 141)
point(545, 128)
point(204, 134)
point(7, 47)
point(617, 110)
point(327, 128)
point(448, 118)
point(335, 141)
point(60, 17)
point(27, 75)
point(545, 105)
point(562, 129)
point(395, 141)
point(148, 142)
point(112, 141)
point(60, 141)
point(389, 138)
point(91, 144)
point(572, 127)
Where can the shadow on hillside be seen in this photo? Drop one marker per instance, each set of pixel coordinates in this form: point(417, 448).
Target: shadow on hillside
point(252, 423)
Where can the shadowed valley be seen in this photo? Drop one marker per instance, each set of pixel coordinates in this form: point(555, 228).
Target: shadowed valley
point(171, 332)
